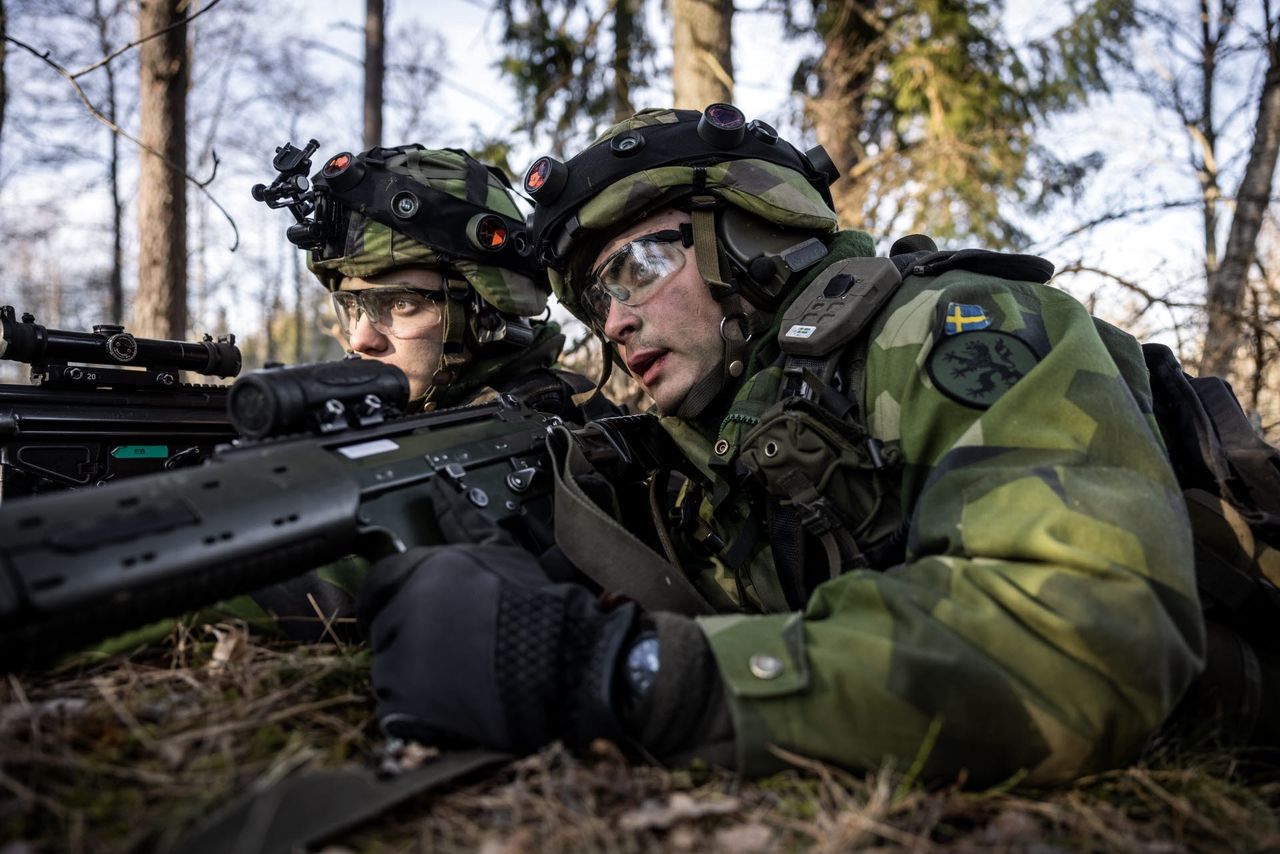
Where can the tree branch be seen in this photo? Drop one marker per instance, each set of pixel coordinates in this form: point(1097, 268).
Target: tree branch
point(72, 75)
point(1130, 285)
point(1124, 213)
point(202, 186)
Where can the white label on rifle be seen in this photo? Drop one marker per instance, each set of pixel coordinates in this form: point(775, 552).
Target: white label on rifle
point(368, 449)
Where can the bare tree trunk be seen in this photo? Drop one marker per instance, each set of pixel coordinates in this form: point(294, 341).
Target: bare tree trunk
point(624, 25)
point(160, 308)
point(4, 84)
point(702, 52)
point(374, 29)
point(1207, 137)
point(271, 310)
point(115, 288)
point(845, 72)
point(1226, 333)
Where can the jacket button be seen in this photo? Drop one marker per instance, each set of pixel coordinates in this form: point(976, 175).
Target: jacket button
point(766, 666)
point(721, 448)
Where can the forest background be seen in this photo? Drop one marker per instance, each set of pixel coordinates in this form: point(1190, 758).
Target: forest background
point(1133, 144)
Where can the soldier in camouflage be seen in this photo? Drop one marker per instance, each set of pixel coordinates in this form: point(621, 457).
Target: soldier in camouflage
point(927, 519)
point(430, 271)
point(428, 261)
point(443, 294)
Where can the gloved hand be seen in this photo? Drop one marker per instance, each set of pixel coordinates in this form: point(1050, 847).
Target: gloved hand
point(475, 645)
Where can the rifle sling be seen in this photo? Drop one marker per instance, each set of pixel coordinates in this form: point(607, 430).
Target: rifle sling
point(608, 553)
point(302, 810)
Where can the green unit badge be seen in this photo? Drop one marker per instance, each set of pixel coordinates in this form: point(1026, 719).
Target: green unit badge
point(977, 367)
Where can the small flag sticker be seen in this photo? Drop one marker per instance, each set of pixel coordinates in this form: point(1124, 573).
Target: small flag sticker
point(962, 317)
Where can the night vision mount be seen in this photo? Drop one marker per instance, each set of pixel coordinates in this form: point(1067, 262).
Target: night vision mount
point(364, 184)
point(291, 189)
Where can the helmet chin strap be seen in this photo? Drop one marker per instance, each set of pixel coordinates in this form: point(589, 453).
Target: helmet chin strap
point(453, 350)
point(582, 398)
point(737, 327)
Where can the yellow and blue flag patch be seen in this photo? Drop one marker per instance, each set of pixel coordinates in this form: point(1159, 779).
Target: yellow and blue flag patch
point(963, 317)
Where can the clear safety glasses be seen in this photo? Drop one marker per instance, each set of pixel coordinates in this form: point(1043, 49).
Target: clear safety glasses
point(398, 312)
point(634, 273)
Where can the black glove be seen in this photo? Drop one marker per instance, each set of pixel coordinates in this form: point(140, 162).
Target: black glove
point(475, 645)
point(680, 711)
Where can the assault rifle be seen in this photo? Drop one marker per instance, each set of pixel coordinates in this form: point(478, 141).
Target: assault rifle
point(105, 405)
point(326, 467)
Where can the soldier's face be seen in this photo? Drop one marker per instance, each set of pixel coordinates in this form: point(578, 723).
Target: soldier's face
point(672, 339)
point(417, 351)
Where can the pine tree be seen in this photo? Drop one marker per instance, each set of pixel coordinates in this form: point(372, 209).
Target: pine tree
point(932, 115)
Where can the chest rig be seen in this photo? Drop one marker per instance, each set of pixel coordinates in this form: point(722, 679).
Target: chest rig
point(795, 450)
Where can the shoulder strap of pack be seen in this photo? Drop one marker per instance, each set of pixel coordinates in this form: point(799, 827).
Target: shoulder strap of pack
point(1211, 443)
point(1254, 463)
point(828, 319)
point(605, 551)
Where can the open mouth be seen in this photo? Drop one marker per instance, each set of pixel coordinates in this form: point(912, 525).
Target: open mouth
point(645, 364)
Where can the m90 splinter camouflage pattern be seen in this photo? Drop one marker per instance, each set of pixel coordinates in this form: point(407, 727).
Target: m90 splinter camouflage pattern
point(1043, 616)
point(371, 246)
point(994, 570)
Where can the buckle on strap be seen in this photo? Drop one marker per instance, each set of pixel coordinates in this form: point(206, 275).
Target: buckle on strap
point(819, 517)
point(817, 514)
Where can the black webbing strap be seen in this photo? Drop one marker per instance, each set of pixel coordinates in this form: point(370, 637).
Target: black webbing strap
point(820, 518)
point(1252, 460)
point(786, 536)
point(477, 183)
point(301, 811)
point(605, 551)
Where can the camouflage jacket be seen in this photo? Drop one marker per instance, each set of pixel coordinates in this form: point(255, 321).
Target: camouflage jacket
point(1039, 615)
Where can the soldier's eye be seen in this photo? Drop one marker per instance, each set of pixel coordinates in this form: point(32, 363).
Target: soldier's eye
point(640, 269)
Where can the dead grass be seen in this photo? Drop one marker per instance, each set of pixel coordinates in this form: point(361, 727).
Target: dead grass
point(127, 754)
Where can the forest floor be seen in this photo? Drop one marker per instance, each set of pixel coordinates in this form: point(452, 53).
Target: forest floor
point(131, 753)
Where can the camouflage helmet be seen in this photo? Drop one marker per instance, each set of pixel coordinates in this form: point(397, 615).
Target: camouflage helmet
point(663, 157)
point(394, 207)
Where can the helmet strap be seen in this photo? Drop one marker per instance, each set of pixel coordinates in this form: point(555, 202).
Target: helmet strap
point(706, 249)
point(737, 328)
point(453, 350)
point(582, 398)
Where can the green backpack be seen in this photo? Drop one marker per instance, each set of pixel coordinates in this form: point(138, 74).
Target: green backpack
point(1229, 476)
point(1230, 479)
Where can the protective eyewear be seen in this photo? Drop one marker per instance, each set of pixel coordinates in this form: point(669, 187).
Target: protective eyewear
point(398, 312)
point(635, 272)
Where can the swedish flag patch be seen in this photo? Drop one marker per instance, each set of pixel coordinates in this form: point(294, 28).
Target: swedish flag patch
point(963, 317)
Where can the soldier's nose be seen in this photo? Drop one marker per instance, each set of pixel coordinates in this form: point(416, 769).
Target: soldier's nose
point(366, 339)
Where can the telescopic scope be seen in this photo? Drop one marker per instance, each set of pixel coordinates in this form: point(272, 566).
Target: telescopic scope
point(323, 397)
point(27, 341)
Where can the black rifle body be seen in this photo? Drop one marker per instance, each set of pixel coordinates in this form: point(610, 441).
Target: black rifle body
point(81, 565)
point(104, 405)
point(54, 439)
